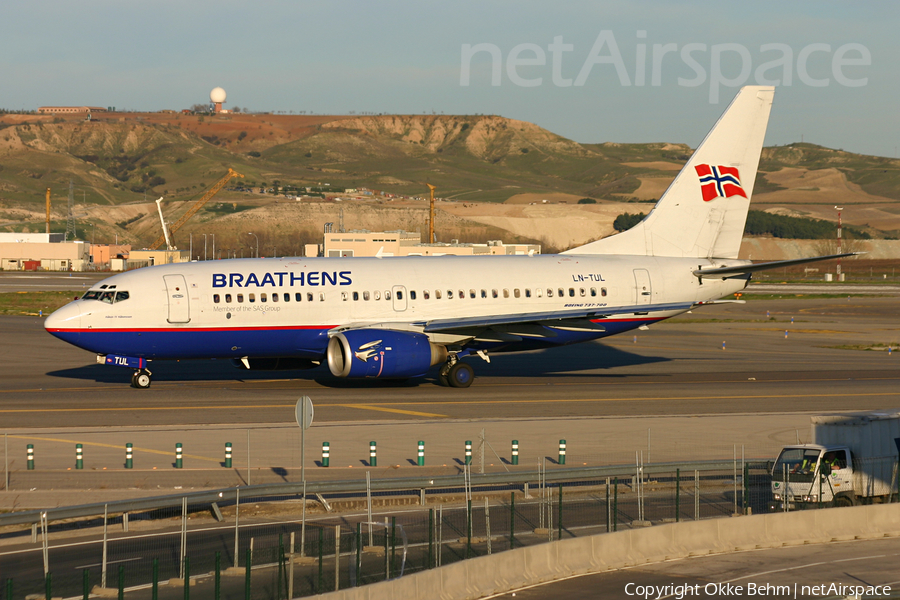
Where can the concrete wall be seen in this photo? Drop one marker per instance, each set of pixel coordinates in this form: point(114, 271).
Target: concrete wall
point(479, 577)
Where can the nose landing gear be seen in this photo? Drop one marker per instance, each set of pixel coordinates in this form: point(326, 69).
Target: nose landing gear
point(141, 379)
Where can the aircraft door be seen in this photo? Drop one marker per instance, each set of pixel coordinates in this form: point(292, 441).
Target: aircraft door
point(179, 303)
point(643, 292)
point(399, 294)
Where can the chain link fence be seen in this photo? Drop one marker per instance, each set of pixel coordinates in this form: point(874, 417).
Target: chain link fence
point(289, 547)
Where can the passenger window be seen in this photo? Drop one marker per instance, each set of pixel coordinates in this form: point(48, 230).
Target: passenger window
point(462, 294)
point(593, 291)
point(387, 294)
point(516, 292)
point(251, 297)
point(539, 292)
point(262, 297)
point(344, 296)
point(121, 296)
point(425, 295)
point(484, 293)
point(412, 295)
point(603, 291)
point(581, 291)
point(449, 294)
point(215, 298)
point(560, 292)
point(549, 292)
point(399, 295)
point(287, 297)
point(437, 294)
point(377, 295)
point(321, 296)
point(298, 297)
point(572, 292)
point(505, 293)
point(309, 296)
point(527, 293)
point(366, 296)
point(228, 298)
point(494, 294)
point(240, 297)
point(355, 296)
point(274, 297)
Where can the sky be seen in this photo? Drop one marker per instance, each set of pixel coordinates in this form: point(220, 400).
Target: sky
point(592, 71)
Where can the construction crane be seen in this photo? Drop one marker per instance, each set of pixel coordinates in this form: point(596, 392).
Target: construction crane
point(216, 187)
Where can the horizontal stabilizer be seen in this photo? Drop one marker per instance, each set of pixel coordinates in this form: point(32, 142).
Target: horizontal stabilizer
point(725, 272)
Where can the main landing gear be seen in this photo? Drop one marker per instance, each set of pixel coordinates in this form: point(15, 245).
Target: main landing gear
point(456, 373)
point(141, 379)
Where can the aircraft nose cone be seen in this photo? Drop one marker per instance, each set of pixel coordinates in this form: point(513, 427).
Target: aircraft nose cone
point(65, 322)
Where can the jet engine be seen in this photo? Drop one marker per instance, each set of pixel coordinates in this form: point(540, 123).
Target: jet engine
point(382, 353)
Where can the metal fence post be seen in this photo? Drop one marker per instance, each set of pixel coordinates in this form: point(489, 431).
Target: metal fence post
point(696, 495)
point(615, 512)
point(560, 508)
point(48, 586)
point(512, 520)
point(217, 593)
point(154, 586)
point(321, 553)
point(248, 560)
point(85, 585)
point(121, 584)
point(359, 554)
point(677, 494)
point(607, 506)
point(337, 558)
point(430, 538)
point(746, 489)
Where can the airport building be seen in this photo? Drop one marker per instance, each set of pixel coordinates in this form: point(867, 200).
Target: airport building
point(42, 251)
point(69, 110)
point(409, 243)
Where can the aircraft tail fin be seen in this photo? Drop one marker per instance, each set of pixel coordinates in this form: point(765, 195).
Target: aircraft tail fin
point(703, 212)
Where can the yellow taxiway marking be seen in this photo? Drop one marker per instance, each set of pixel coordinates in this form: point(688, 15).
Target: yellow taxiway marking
point(116, 446)
point(391, 410)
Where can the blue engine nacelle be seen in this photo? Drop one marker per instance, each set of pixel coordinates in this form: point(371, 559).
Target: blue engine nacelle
point(382, 353)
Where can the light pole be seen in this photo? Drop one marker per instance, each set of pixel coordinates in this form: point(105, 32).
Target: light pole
point(214, 245)
point(257, 243)
point(204, 246)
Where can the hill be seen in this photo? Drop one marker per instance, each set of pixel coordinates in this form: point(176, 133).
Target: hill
point(121, 162)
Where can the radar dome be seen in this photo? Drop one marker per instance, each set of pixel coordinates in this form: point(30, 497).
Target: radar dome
point(217, 95)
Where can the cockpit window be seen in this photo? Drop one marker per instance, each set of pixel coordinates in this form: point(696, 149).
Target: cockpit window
point(109, 296)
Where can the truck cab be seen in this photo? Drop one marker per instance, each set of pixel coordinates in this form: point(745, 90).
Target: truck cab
point(812, 476)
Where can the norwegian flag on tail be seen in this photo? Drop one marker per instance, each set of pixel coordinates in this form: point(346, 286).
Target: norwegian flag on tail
point(719, 182)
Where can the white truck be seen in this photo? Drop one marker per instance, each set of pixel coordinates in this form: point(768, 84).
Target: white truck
point(852, 460)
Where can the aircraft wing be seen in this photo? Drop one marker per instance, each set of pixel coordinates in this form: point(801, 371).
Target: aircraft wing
point(563, 319)
point(725, 272)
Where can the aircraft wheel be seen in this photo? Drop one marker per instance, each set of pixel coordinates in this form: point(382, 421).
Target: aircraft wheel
point(461, 375)
point(141, 380)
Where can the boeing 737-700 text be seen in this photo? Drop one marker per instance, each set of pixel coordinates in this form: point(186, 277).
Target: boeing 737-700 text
point(399, 317)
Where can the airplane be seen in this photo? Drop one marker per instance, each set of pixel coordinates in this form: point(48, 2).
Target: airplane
point(397, 317)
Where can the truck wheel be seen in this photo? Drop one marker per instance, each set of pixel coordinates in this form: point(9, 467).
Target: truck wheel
point(843, 501)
